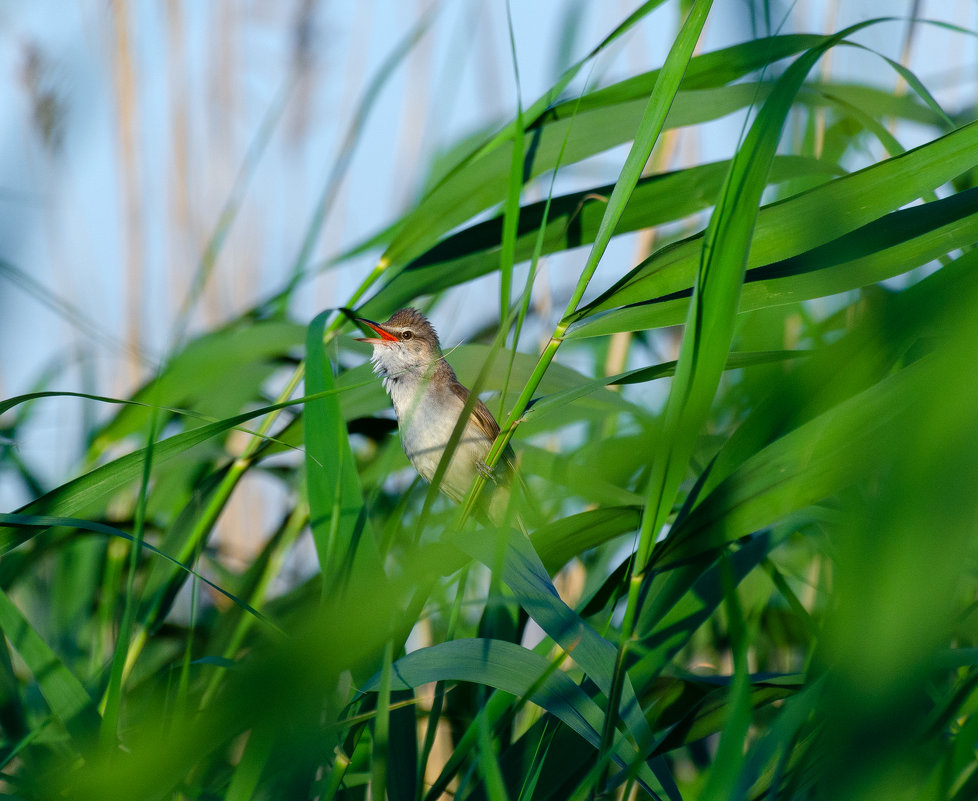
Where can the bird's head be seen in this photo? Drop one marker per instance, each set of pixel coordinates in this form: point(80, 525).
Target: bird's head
point(406, 343)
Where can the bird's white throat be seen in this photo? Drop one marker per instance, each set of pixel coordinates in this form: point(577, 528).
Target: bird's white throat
point(399, 370)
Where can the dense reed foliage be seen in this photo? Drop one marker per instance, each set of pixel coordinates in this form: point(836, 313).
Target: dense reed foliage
point(750, 571)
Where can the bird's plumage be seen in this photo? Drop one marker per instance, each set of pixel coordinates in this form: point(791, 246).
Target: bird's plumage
point(428, 400)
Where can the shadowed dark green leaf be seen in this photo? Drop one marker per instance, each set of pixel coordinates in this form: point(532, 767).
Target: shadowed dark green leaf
point(572, 221)
point(682, 600)
point(706, 72)
point(813, 218)
point(893, 245)
point(525, 575)
point(516, 670)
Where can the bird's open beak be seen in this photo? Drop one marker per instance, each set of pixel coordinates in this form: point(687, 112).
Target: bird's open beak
point(385, 335)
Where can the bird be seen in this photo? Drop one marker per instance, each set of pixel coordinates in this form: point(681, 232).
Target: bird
point(428, 400)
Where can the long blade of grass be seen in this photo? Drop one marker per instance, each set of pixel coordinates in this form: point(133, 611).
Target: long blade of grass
point(569, 221)
point(709, 325)
point(492, 776)
point(112, 700)
point(735, 361)
point(730, 751)
point(653, 119)
point(76, 494)
point(891, 246)
point(478, 180)
point(871, 351)
point(802, 467)
point(716, 295)
point(337, 512)
point(558, 542)
point(216, 374)
point(651, 125)
point(381, 738)
point(451, 201)
point(511, 208)
point(808, 220)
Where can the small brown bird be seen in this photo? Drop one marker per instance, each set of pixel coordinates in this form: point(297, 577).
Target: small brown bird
point(428, 400)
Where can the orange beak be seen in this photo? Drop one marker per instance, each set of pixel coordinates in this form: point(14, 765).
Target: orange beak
point(385, 335)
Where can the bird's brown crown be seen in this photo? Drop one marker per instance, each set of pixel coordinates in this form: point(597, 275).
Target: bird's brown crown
point(412, 320)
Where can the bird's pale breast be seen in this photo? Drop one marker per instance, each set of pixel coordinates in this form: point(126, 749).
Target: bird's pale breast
point(426, 424)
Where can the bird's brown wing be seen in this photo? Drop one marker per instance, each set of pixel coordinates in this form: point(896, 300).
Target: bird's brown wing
point(480, 412)
point(484, 420)
point(505, 471)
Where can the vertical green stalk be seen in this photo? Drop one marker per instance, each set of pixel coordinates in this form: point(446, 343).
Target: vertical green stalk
point(489, 762)
point(653, 120)
point(539, 758)
point(709, 325)
point(183, 684)
point(438, 701)
point(730, 752)
point(524, 304)
point(113, 694)
point(378, 780)
point(511, 211)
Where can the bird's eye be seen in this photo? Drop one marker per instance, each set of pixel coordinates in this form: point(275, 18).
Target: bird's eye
point(406, 335)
